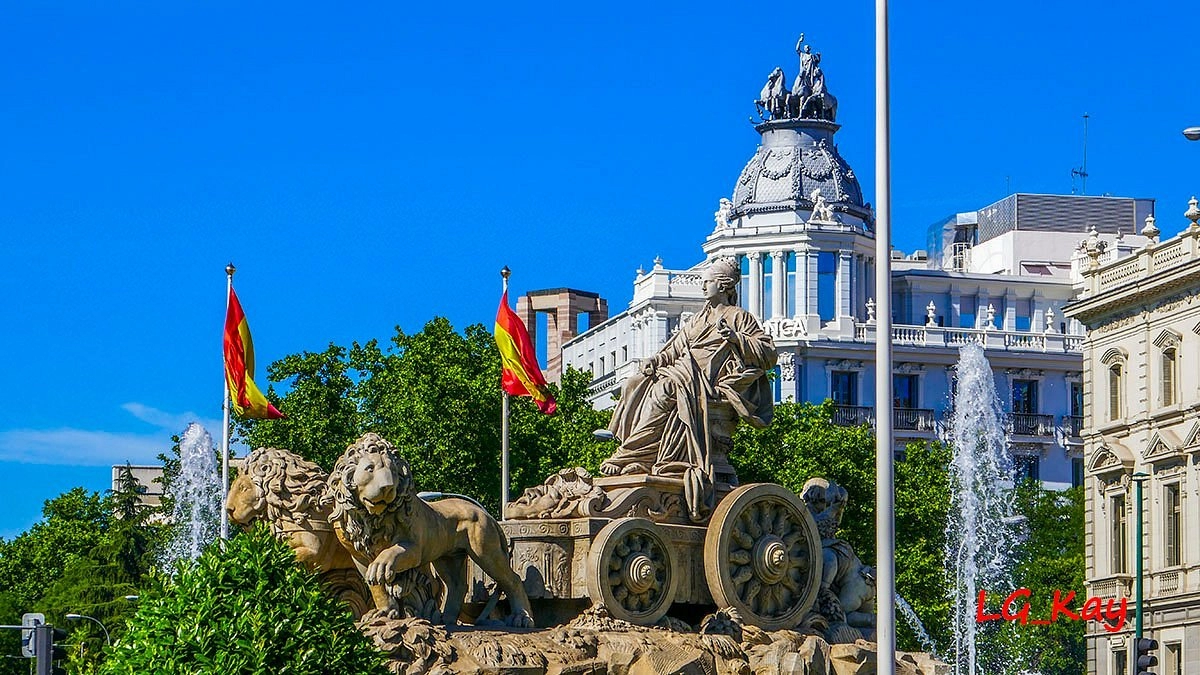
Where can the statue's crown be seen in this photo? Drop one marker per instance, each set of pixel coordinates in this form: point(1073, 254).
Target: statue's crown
point(725, 266)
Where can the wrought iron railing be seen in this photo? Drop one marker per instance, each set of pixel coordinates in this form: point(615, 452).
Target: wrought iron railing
point(852, 415)
point(912, 419)
point(1072, 425)
point(1027, 424)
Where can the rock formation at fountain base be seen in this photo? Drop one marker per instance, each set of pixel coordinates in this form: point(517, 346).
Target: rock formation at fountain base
point(597, 644)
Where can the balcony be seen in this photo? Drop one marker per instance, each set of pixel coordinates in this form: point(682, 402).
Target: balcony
point(1072, 425)
point(1026, 424)
point(912, 419)
point(852, 415)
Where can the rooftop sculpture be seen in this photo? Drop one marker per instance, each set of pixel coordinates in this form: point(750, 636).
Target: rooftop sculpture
point(808, 97)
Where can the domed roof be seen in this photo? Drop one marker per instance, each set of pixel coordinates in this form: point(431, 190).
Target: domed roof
point(797, 158)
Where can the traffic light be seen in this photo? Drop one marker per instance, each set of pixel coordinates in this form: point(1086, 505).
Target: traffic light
point(45, 639)
point(1144, 649)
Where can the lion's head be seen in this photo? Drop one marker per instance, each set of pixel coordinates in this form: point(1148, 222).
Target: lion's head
point(372, 491)
point(277, 486)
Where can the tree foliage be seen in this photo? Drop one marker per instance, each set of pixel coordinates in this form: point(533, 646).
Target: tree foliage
point(247, 609)
point(1051, 558)
point(802, 442)
point(435, 394)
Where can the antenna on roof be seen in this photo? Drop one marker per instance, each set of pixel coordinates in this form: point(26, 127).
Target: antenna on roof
point(1081, 172)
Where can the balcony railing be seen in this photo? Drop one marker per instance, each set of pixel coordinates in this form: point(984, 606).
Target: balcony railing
point(852, 415)
point(1072, 425)
point(1026, 424)
point(912, 419)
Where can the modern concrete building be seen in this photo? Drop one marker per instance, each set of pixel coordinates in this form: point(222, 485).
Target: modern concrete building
point(149, 479)
point(1142, 415)
point(804, 238)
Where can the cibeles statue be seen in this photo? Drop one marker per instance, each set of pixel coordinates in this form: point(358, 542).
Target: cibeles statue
point(676, 416)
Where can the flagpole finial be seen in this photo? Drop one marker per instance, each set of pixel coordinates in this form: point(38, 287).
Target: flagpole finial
point(505, 273)
point(230, 269)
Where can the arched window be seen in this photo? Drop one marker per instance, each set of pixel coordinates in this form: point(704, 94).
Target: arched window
point(1114, 392)
point(1114, 359)
point(1168, 376)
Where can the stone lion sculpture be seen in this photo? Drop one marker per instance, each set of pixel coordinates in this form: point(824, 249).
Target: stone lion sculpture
point(387, 529)
point(288, 493)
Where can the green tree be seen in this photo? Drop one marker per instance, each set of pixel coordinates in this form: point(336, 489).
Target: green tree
point(1051, 558)
point(95, 584)
point(436, 395)
point(246, 610)
point(802, 442)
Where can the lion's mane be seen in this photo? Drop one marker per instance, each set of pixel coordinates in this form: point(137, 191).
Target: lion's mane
point(360, 527)
point(293, 488)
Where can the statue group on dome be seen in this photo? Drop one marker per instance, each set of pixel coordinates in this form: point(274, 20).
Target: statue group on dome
point(808, 97)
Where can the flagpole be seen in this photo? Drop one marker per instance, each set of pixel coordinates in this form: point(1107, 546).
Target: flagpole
point(504, 274)
point(229, 270)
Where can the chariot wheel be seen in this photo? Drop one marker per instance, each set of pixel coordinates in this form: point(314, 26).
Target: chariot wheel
point(762, 555)
point(631, 572)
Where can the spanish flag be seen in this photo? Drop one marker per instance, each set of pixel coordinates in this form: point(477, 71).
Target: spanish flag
point(248, 402)
point(522, 377)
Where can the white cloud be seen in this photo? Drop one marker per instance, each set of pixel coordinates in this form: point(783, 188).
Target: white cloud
point(172, 422)
point(85, 447)
point(80, 447)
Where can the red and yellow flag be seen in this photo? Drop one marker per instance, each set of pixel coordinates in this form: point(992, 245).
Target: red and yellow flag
point(522, 377)
point(248, 402)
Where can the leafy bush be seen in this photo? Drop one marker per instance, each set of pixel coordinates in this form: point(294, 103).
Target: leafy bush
point(246, 609)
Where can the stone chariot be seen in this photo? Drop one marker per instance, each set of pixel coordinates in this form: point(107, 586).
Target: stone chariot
point(631, 549)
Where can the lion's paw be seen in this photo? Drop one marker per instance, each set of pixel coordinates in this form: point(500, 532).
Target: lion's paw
point(521, 619)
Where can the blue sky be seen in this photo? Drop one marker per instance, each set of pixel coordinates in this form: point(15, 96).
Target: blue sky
point(375, 164)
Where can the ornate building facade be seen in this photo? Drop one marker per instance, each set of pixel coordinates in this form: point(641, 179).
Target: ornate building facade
point(804, 238)
point(1142, 389)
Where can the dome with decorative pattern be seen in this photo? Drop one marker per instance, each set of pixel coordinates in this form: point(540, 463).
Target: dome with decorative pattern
point(798, 158)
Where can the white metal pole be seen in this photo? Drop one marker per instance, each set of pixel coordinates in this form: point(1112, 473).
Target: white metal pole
point(885, 521)
point(229, 270)
point(504, 274)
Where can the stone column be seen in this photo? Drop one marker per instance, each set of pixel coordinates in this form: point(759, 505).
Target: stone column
point(756, 305)
point(801, 290)
point(843, 283)
point(779, 283)
point(811, 272)
point(1010, 310)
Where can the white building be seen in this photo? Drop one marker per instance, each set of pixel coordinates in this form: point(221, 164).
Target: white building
point(1142, 389)
point(804, 237)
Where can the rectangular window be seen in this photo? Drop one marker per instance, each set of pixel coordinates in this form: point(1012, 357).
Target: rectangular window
point(1114, 392)
point(601, 372)
point(744, 287)
point(790, 289)
point(1024, 397)
point(768, 286)
point(966, 311)
point(1077, 399)
point(1173, 531)
point(1026, 467)
point(844, 387)
point(1168, 376)
point(1024, 315)
point(1076, 471)
point(1120, 663)
point(1120, 534)
point(625, 354)
point(826, 285)
point(1173, 663)
point(904, 389)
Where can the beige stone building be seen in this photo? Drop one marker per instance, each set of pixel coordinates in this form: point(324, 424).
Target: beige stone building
point(1142, 414)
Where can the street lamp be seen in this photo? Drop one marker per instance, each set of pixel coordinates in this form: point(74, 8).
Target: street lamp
point(1192, 133)
point(1139, 479)
point(107, 639)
